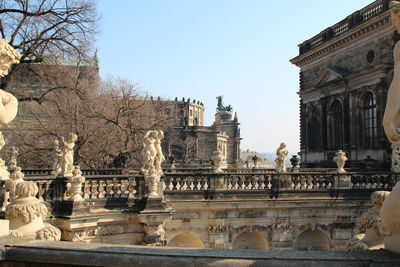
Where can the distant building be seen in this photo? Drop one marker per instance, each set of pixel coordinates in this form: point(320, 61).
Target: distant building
point(345, 73)
point(247, 157)
point(189, 142)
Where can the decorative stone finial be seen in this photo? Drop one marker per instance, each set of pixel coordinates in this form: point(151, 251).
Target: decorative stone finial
point(76, 182)
point(217, 161)
point(340, 159)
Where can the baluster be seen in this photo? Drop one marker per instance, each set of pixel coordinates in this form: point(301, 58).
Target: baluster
point(93, 189)
point(183, 183)
point(195, 183)
point(234, 183)
point(131, 187)
point(241, 182)
point(109, 186)
point(87, 190)
point(167, 182)
point(140, 188)
point(117, 187)
point(48, 190)
point(202, 182)
point(175, 183)
point(102, 192)
point(253, 183)
point(310, 180)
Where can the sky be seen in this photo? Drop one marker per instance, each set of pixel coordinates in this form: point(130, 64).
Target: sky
point(202, 49)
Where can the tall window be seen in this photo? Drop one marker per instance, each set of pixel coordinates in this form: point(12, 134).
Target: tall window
point(370, 129)
point(336, 125)
point(313, 130)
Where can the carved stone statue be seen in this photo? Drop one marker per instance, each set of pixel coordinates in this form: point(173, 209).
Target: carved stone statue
point(26, 215)
point(281, 156)
point(8, 103)
point(58, 156)
point(68, 154)
point(13, 161)
point(371, 237)
point(395, 158)
point(152, 157)
point(390, 211)
point(217, 161)
point(391, 119)
point(340, 159)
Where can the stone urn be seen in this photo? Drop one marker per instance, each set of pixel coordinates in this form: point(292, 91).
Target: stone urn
point(26, 214)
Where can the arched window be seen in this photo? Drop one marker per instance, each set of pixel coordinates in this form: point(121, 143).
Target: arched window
point(336, 125)
point(370, 125)
point(313, 130)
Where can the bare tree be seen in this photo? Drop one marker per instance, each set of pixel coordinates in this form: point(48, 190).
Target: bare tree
point(110, 125)
point(49, 30)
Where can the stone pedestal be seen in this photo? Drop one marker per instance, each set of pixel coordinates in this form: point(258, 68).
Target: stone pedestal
point(153, 217)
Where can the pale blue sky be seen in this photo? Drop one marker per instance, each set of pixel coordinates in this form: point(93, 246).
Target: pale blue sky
point(205, 48)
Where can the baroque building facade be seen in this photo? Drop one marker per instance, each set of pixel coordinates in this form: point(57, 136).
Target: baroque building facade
point(191, 143)
point(345, 73)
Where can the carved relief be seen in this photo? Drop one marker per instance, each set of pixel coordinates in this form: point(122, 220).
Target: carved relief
point(218, 229)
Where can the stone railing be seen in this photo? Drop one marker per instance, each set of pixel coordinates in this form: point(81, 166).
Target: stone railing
point(48, 172)
point(271, 181)
point(374, 9)
point(95, 187)
point(132, 187)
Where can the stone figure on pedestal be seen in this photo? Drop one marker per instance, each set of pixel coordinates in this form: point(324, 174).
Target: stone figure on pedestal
point(152, 157)
point(58, 155)
point(13, 161)
point(68, 154)
point(281, 156)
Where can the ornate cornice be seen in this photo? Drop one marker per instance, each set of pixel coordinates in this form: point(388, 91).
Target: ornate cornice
point(363, 30)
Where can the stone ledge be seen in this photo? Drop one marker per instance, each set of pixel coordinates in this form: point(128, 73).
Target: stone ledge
point(44, 252)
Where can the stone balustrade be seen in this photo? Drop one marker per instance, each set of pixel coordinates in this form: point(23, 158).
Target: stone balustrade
point(374, 9)
point(117, 186)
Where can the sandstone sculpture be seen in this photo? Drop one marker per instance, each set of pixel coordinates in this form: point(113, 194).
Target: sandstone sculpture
point(13, 161)
point(68, 155)
point(371, 237)
point(340, 159)
point(26, 214)
point(217, 161)
point(152, 157)
point(8, 103)
point(391, 119)
point(390, 212)
point(281, 156)
point(58, 156)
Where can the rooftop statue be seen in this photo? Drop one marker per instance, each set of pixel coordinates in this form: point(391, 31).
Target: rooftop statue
point(220, 105)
